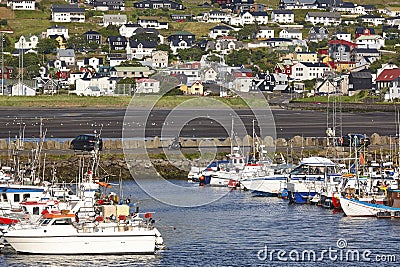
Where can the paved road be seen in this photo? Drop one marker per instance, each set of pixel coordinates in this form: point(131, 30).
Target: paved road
point(67, 123)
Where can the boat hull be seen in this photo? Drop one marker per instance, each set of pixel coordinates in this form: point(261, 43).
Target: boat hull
point(354, 208)
point(141, 242)
point(268, 186)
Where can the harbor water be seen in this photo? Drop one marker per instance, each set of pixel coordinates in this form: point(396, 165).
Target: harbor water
point(242, 230)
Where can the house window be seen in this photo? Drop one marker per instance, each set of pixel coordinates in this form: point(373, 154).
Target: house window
point(16, 198)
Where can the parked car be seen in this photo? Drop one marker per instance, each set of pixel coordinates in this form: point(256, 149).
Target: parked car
point(353, 140)
point(86, 142)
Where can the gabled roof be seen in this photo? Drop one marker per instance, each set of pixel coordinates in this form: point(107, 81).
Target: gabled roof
point(388, 75)
point(282, 11)
point(313, 65)
point(361, 74)
point(91, 32)
point(360, 30)
point(145, 44)
point(67, 8)
point(324, 14)
point(259, 14)
point(182, 33)
point(222, 27)
point(66, 52)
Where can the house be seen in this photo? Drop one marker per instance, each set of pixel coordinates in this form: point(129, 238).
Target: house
point(284, 67)
point(393, 92)
point(361, 80)
point(392, 11)
point(272, 82)
point(359, 53)
point(117, 42)
point(116, 59)
point(108, 5)
point(386, 77)
point(21, 89)
point(341, 35)
point(209, 74)
point(114, 19)
point(291, 34)
point(317, 34)
point(21, 4)
point(340, 50)
point(148, 31)
point(159, 59)
point(370, 41)
point(66, 55)
point(265, 32)
point(216, 16)
point(371, 19)
point(224, 45)
point(74, 76)
point(67, 13)
point(159, 4)
point(193, 88)
point(306, 56)
point(253, 17)
point(152, 23)
point(185, 74)
point(181, 17)
point(128, 29)
point(364, 31)
point(325, 86)
point(242, 84)
point(328, 4)
point(147, 85)
point(220, 30)
point(93, 37)
point(27, 42)
point(349, 7)
point(94, 86)
point(60, 40)
point(324, 18)
point(8, 73)
point(51, 87)
point(93, 62)
point(298, 4)
point(282, 16)
point(139, 49)
point(130, 72)
point(57, 30)
point(181, 40)
point(302, 71)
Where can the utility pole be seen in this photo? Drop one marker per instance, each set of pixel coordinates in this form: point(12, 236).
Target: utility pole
point(3, 32)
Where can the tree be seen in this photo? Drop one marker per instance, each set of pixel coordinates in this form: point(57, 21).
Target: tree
point(146, 37)
point(247, 32)
point(237, 58)
point(47, 46)
point(93, 46)
point(193, 53)
point(77, 41)
point(110, 30)
point(130, 63)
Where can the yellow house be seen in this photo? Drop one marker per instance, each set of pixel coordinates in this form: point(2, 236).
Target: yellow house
point(60, 40)
point(306, 57)
point(195, 88)
point(344, 66)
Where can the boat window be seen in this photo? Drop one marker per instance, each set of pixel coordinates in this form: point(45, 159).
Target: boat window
point(4, 197)
point(300, 170)
point(45, 221)
point(35, 210)
point(16, 198)
point(26, 196)
point(64, 221)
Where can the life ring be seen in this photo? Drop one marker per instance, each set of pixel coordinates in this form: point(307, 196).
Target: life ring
point(201, 178)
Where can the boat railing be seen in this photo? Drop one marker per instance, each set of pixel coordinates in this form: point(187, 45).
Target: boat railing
point(120, 226)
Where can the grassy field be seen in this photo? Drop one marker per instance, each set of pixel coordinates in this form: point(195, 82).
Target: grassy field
point(123, 101)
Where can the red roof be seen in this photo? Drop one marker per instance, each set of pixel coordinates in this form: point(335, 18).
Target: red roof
point(388, 75)
point(343, 42)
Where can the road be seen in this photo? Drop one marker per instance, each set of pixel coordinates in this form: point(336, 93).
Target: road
point(67, 123)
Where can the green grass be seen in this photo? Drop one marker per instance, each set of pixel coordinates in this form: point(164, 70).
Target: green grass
point(31, 14)
point(123, 101)
point(357, 98)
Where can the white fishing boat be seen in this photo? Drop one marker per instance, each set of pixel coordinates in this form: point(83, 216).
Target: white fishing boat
point(66, 234)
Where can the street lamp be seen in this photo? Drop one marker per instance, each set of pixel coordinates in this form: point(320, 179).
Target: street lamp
point(2, 59)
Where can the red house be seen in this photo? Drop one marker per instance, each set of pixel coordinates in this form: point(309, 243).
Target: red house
point(8, 71)
point(386, 77)
point(283, 68)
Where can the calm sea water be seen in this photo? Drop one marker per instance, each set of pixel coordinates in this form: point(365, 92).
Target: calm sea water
point(241, 230)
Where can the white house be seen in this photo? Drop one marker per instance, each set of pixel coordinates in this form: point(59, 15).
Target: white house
point(21, 4)
point(371, 19)
point(114, 19)
point(252, 17)
point(373, 41)
point(67, 55)
point(282, 16)
point(220, 30)
point(291, 34)
point(139, 50)
point(21, 89)
point(93, 62)
point(343, 36)
point(67, 13)
point(392, 11)
point(74, 76)
point(216, 16)
point(128, 29)
point(265, 33)
point(57, 30)
point(303, 71)
point(159, 59)
point(242, 84)
point(27, 42)
point(325, 18)
point(152, 23)
point(147, 85)
point(209, 74)
point(94, 86)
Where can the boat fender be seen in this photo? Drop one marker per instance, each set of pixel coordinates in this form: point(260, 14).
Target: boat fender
point(96, 223)
point(97, 211)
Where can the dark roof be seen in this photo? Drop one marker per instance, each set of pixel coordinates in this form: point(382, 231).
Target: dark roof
point(91, 32)
point(361, 75)
point(282, 11)
point(259, 13)
point(360, 30)
point(366, 51)
point(146, 44)
point(313, 65)
point(347, 5)
point(221, 27)
point(116, 39)
point(67, 8)
point(146, 30)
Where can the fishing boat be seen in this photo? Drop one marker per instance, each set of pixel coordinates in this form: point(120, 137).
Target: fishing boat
point(309, 178)
point(69, 234)
point(354, 207)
